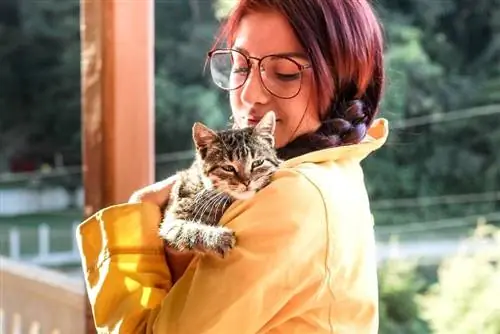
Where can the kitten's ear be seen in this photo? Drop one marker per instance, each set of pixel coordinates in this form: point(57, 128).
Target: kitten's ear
point(267, 124)
point(203, 135)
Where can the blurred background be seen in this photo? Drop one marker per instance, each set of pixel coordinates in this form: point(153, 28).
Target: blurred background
point(435, 186)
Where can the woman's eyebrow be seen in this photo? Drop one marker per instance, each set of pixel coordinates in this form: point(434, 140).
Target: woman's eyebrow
point(292, 54)
point(282, 54)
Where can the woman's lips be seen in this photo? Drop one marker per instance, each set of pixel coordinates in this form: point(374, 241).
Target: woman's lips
point(255, 121)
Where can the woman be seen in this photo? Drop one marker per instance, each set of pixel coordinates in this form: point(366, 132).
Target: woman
point(305, 259)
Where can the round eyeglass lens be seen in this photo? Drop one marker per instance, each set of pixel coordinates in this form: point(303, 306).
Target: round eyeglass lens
point(280, 75)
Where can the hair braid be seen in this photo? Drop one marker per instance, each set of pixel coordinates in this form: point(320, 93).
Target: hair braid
point(346, 123)
point(345, 46)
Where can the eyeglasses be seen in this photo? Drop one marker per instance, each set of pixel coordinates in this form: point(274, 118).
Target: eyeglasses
point(279, 74)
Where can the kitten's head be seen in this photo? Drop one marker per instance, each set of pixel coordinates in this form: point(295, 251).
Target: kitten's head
point(238, 162)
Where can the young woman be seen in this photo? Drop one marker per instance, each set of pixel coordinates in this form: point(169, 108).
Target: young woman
point(305, 259)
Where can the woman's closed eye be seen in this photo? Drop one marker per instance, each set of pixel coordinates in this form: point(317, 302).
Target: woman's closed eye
point(285, 77)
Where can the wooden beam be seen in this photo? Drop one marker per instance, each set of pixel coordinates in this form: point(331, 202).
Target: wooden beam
point(117, 40)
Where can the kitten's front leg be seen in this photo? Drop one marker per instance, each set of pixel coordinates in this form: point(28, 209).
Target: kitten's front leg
point(185, 235)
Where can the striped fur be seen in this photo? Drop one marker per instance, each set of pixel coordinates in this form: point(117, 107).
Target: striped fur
point(229, 165)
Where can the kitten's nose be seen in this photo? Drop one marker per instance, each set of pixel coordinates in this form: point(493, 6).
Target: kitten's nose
point(246, 183)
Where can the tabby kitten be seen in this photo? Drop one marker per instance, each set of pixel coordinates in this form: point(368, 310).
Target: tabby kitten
point(229, 165)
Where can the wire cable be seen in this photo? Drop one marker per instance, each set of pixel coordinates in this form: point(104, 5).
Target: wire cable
point(439, 224)
point(394, 203)
point(447, 116)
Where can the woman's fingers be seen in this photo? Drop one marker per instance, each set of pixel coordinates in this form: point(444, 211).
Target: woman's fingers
point(177, 262)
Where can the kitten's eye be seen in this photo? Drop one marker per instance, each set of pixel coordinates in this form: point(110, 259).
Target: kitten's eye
point(257, 163)
point(229, 169)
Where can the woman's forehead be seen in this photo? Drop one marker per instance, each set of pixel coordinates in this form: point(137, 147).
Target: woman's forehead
point(262, 33)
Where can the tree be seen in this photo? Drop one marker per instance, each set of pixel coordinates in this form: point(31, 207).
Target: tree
point(465, 298)
point(184, 91)
point(41, 66)
point(399, 286)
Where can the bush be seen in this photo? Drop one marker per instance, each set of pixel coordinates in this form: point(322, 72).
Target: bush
point(400, 284)
point(465, 298)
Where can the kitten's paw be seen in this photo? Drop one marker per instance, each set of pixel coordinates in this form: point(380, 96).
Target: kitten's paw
point(216, 240)
point(227, 241)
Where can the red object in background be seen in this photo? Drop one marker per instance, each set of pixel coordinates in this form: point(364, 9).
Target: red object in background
point(22, 164)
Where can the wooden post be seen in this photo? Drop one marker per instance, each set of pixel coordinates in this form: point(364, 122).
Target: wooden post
point(117, 101)
point(43, 240)
point(14, 243)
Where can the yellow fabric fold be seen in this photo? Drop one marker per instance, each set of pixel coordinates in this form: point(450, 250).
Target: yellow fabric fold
point(304, 260)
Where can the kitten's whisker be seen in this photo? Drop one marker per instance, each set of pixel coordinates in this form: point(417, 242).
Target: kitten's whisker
point(210, 204)
point(219, 203)
point(220, 200)
point(227, 200)
point(206, 204)
point(198, 209)
point(216, 204)
point(199, 196)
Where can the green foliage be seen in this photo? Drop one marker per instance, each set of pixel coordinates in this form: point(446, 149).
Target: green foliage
point(441, 56)
point(184, 93)
point(429, 65)
point(185, 105)
point(399, 285)
point(465, 298)
point(41, 78)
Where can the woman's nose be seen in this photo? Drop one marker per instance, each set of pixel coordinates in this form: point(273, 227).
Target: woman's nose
point(253, 92)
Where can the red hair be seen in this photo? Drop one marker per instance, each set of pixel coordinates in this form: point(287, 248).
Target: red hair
point(344, 43)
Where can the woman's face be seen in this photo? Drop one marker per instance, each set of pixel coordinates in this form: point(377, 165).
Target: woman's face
point(268, 33)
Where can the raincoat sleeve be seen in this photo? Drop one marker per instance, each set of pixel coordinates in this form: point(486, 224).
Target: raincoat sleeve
point(278, 260)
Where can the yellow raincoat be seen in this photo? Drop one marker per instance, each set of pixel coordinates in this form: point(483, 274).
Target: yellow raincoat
point(305, 260)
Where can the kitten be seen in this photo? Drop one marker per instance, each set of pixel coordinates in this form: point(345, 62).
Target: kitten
point(229, 165)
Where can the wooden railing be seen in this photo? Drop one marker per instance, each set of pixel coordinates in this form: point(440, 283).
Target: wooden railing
point(43, 253)
point(39, 301)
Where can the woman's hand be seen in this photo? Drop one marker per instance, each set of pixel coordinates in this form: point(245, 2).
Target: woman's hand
point(158, 194)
